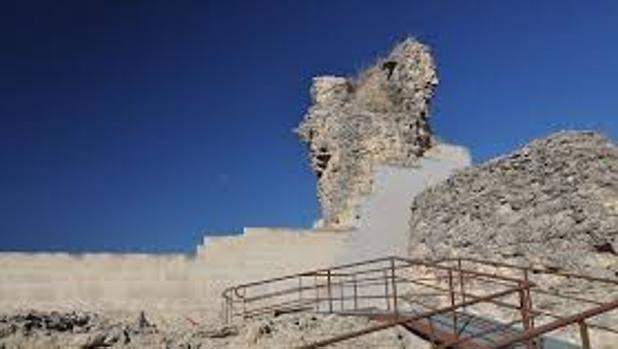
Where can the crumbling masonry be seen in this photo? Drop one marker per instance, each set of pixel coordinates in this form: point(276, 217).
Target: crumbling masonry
point(379, 117)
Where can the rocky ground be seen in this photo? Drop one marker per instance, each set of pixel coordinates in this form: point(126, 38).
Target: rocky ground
point(35, 329)
point(90, 330)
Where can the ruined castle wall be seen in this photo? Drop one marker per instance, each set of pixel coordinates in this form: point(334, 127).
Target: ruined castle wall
point(356, 124)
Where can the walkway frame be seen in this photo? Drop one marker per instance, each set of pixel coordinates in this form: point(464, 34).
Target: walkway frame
point(385, 288)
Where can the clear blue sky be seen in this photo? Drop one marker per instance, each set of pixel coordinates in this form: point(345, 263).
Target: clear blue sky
point(140, 125)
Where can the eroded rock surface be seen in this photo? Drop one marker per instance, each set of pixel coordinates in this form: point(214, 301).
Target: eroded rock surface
point(379, 117)
point(553, 203)
point(41, 330)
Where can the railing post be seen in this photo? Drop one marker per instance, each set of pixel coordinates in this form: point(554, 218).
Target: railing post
point(394, 283)
point(525, 312)
point(452, 296)
point(317, 292)
point(386, 294)
point(300, 290)
point(461, 281)
point(355, 292)
point(583, 333)
point(526, 279)
point(340, 278)
point(244, 303)
point(329, 292)
point(432, 334)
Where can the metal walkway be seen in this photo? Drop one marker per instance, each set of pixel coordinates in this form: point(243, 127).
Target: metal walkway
point(486, 332)
point(453, 303)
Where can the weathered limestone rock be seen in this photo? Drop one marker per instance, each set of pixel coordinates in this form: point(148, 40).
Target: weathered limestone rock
point(380, 117)
point(551, 204)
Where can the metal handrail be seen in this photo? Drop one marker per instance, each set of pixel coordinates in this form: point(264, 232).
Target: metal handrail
point(249, 299)
point(316, 272)
point(534, 270)
point(232, 295)
point(566, 321)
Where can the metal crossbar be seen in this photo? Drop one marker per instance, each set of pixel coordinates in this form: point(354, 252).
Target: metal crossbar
point(406, 320)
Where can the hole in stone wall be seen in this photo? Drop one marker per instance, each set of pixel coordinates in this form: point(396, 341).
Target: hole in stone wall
point(605, 247)
point(322, 162)
point(389, 67)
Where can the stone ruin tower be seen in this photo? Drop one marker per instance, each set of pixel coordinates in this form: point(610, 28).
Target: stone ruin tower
point(377, 118)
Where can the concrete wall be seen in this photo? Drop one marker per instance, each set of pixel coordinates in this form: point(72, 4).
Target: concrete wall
point(168, 286)
point(96, 281)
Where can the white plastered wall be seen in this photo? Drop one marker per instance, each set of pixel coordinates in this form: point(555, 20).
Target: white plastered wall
point(166, 286)
point(385, 214)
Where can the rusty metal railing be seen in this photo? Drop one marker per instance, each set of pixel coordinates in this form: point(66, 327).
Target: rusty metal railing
point(574, 302)
point(343, 288)
point(399, 290)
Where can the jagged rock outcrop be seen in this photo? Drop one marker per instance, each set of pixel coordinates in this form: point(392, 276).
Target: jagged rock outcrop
point(553, 203)
point(379, 117)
